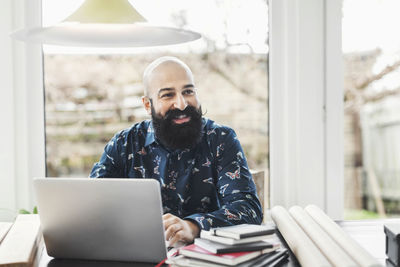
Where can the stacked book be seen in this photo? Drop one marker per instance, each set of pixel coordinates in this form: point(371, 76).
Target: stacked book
point(21, 242)
point(242, 245)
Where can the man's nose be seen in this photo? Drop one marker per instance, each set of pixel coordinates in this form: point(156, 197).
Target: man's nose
point(180, 102)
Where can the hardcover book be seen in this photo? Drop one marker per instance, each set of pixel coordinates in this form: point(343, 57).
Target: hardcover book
point(243, 231)
point(229, 241)
point(223, 248)
point(231, 259)
point(268, 259)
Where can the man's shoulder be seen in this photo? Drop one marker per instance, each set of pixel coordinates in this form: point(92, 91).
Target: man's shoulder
point(212, 127)
point(136, 130)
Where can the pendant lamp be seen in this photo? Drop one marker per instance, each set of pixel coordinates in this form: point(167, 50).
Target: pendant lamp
point(105, 23)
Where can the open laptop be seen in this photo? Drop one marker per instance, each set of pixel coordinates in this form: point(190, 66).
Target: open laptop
point(101, 219)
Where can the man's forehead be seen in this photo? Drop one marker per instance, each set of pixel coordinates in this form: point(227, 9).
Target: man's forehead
point(170, 77)
point(168, 67)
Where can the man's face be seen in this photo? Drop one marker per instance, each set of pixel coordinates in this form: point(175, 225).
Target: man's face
point(171, 86)
point(174, 106)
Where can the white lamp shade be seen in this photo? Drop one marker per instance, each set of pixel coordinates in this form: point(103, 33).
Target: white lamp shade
point(105, 23)
point(106, 35)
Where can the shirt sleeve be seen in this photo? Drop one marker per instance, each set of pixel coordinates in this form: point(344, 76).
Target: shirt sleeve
point(110, 163)
point(236, 189)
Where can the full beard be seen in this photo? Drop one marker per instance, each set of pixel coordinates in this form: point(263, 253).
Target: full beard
point(178, 136)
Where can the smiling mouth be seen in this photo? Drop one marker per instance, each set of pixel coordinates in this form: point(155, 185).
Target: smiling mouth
point(181, 119)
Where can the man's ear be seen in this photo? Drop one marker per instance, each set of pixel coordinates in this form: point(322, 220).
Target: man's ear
point(147, 104)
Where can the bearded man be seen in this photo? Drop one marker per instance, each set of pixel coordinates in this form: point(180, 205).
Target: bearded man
point(204, 178)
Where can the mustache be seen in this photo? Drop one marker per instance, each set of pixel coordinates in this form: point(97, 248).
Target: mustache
point(189, 111)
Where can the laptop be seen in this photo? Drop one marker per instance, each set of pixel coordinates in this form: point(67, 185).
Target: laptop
point(101, 219)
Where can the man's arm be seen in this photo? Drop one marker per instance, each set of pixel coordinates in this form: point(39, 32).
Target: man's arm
point(110, 163)
point(236, 189)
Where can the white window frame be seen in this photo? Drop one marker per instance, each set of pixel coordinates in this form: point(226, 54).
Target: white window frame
point(22, 154)
point(306, 104)
point(306, 109)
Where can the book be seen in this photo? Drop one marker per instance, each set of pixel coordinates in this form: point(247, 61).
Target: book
point(223, 248)
point(23, 244)
point(183, 261)
point(231, 259)
point(243, 231)
point(278, 261)
point(4, 227)
point(268, 259)
point(229, 241)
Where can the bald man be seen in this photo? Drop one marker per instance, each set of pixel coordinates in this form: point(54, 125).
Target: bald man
point(204, 178)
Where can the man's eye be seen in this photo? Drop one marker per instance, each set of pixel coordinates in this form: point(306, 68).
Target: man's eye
point(167, 95)
point(188, 92)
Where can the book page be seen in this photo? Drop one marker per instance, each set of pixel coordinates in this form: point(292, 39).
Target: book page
point(300, 244)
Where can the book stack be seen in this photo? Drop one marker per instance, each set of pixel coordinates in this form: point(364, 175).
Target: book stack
point(242, 245)
point(21, 242)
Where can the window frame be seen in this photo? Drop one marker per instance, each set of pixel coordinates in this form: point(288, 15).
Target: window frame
point(306, 104)
point(22, 107)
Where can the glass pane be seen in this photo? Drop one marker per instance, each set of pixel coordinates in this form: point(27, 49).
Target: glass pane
point(93, 93)
point(371, 50)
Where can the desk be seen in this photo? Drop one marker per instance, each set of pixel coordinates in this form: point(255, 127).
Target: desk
point(368, 233)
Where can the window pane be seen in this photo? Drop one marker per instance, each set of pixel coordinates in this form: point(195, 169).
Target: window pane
point(371, 49)
point(93, 93)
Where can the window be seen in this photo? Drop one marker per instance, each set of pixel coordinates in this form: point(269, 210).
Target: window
point(371, 50)
point(93, 93)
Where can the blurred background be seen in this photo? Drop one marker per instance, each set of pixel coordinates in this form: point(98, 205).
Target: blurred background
point(91, 94)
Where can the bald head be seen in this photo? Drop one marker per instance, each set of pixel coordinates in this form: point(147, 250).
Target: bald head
point(161, 69)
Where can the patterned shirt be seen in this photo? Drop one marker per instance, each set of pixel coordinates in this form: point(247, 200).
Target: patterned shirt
point(209, 184)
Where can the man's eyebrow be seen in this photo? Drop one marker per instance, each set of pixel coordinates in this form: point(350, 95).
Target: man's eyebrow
point(188, 86)
point(168, 89)
point(165, 89)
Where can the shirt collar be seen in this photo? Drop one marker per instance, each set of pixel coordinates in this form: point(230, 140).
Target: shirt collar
point(150, 138)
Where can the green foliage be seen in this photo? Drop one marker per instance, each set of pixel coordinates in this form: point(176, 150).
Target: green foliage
point(24, 211)
point(360, 215)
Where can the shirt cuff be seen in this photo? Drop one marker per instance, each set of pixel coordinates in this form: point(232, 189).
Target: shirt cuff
point(200, 220)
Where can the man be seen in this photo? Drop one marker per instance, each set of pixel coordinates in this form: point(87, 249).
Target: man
point(201, 167)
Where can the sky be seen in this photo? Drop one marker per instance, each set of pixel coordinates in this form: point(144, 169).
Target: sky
point(372, 24)
point(368, 24)
point(242, 20)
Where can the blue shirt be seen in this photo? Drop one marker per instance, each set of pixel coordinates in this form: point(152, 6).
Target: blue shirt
point(209, 184)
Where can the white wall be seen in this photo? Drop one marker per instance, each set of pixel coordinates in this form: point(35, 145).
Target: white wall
point(22, 154)
point(306, 113)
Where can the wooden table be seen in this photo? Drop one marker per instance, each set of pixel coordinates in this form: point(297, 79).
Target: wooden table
point(368, 233)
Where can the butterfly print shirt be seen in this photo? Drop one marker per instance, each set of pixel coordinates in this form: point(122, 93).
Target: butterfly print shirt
point(209, 184)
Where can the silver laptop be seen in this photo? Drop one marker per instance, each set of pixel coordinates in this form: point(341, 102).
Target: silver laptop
point(101, 219)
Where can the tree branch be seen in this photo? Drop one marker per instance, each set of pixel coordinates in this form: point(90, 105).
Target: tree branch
point(378, 76)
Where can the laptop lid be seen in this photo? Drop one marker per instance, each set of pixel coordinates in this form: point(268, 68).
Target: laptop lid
point(101, 219)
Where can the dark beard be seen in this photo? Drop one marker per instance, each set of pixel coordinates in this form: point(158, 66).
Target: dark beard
point(178, 136)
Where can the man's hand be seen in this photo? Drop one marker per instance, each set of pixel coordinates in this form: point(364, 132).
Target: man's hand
point(177, 229)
